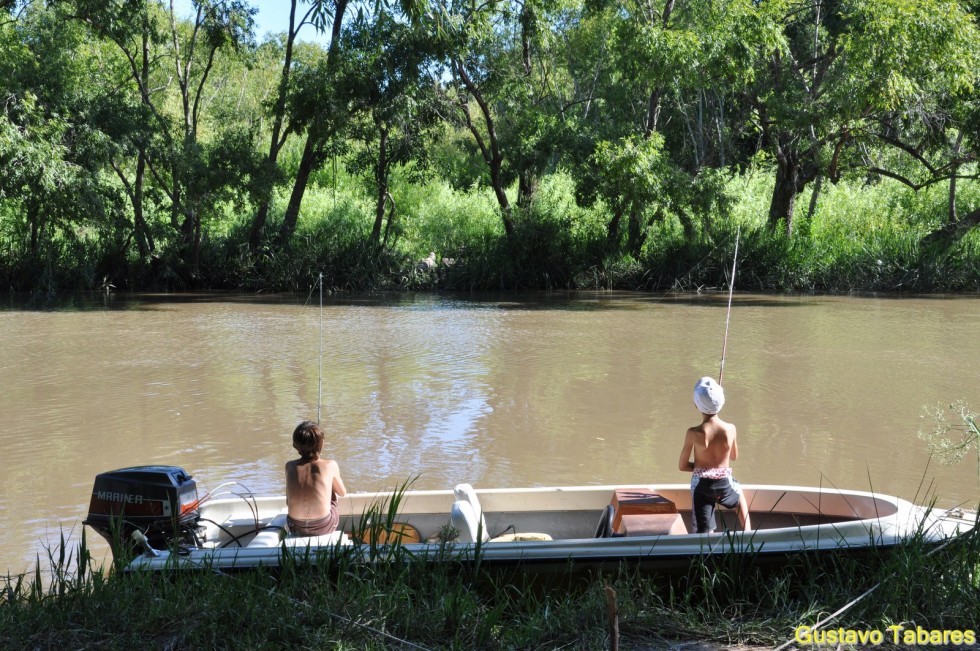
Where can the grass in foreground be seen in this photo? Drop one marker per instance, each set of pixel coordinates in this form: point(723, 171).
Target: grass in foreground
point(343, 605)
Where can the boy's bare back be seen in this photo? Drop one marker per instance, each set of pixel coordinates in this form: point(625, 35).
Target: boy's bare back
point(310, 484)
point(713, 443)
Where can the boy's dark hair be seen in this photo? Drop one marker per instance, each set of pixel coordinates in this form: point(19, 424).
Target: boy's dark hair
point(308, 439)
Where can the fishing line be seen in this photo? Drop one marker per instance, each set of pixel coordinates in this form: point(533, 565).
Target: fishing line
point(728, 318)
point(319, 371)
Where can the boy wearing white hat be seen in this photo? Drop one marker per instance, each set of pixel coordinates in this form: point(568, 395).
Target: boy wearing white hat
point(713, 445)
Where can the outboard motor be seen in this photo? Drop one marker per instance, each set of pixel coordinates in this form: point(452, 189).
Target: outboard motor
point(159, 501)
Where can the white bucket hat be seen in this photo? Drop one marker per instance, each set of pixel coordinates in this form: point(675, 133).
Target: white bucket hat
point(709, 397)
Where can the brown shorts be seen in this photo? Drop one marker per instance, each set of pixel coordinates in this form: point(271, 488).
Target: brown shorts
point(317, 526)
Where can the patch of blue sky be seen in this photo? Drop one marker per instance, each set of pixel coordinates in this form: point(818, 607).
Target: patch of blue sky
point(271, 18)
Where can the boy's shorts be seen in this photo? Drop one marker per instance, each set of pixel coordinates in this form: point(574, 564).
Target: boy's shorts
point(706, 493)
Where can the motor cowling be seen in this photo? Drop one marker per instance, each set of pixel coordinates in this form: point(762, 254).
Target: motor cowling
point(160, 501)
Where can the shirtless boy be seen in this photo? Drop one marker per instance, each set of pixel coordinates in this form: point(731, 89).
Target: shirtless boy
point(713, 444)
point(313, 485)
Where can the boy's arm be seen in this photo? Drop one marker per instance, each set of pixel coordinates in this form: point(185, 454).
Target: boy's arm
point(338, 482)
point(734, 452)
point(685, 464)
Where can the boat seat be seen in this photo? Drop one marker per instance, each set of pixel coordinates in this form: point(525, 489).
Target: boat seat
point(467, 518)
point(276, 533)
point(642, 512)
point(326, 540)
point(468, 521)
point(653, 524)
point(271, 534)
point(468, 526)
point(398, 533)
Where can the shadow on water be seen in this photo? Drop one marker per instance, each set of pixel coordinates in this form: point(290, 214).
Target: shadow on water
point(579, 300)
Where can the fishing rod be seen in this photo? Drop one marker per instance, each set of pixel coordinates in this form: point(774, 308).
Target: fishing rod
point(728, 318)
point(319, 379)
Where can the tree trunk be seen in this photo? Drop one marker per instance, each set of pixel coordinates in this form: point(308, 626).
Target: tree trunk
point(307, 164)
point(952, 217)
point(186, 213)
point(258, 222)
point(505, 209)
point(489, 148)
point(814, 198)
point(527, 185)
point(784, 193)
point(653, 101)
point(34, 220)
point(391, 218)
point(949, 233)
point(381, 181)
point(653, 113)
point(144, 241)
point(277, 140)
point(636, 235)
point(188, 238)
point(134, 191)
point(612, 230)
point(687, 224)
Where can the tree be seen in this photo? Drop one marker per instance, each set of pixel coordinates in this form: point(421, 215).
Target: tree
point(842, 66)
point(931, 137)
point(315, 15)
point(503, 85)
point(663, 104)
point(388, 65)
point(50, 156)
point(313, 115)
point(168, 144)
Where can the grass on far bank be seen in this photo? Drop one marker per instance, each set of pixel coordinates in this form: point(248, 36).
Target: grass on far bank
point(861, 236)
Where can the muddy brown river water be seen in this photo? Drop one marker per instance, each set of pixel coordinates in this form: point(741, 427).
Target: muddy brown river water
point(531, 390)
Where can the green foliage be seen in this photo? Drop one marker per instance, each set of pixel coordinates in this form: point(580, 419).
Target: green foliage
point(903, 53)
point(609, 144)
point(630, 172)
point(952, 432)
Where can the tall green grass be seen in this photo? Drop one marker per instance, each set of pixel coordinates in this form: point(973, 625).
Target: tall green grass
point(343, 603)
point(861, 237)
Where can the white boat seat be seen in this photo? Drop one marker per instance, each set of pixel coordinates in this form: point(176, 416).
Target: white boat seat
point(275, 533)
point(270, 535)
point(326, 540)
point(467, 518)
point(468, 526)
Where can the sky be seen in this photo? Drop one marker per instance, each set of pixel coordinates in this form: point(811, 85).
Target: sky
point(272, 18)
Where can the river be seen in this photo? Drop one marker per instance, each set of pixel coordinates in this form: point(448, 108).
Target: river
point(503, 390)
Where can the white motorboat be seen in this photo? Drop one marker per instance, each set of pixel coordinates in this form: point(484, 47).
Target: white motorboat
point(537, 528)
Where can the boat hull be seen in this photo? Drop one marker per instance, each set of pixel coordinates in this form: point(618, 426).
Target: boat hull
point(244, 533)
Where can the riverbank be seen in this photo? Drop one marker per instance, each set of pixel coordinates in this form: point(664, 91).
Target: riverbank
point(856, 237)
point(417, 606)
